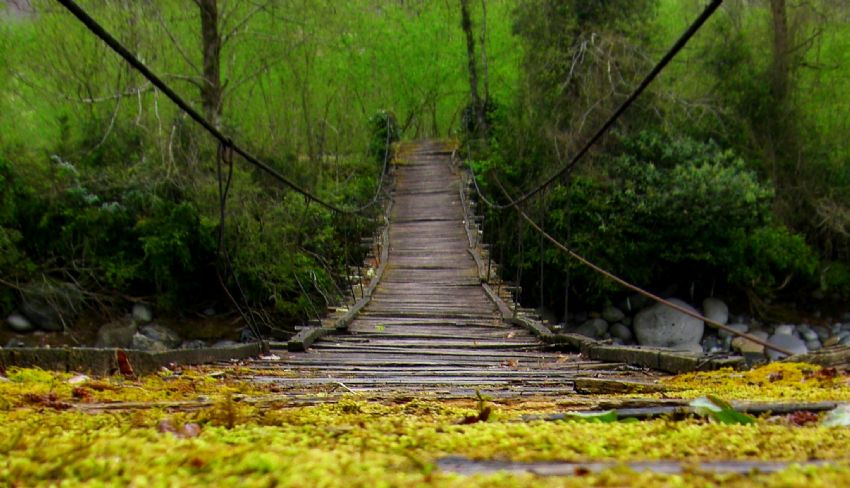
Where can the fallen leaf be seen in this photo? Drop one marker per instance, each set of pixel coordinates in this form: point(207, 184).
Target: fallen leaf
point(124, 364)
point(82, 393)
point(720, 411)
point(802, 418)
point(49, 400)
point(482, 416)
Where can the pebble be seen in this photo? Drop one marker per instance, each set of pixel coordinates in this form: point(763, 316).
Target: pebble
point(784, 329)
point(715, 310)
point(786, 341)
point(810, 335)
point(19, 323)
point(738, 327)
point(612, 314)
point(142, 313)
point(621, 332)
point(823, 332)
point(593, 328)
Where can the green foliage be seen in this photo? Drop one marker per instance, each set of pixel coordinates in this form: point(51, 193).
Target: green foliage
point(385, 132)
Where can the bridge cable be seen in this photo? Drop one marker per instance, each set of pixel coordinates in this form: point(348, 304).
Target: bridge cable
point(98, 30)
point(671, 53)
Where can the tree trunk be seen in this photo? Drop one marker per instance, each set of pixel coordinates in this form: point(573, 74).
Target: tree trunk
point(780, 141)
point(211, 92)
point(477, 106)
point(484, 74)
point(781, 51)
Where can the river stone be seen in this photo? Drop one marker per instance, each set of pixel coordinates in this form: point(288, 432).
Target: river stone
point(52, 305)
point(809, 335)
point(786, 341)
point(19, 323)
point(662, 326)
point(142, 313)
point(813, 345)
point(621, 332)
point(15, 342)
point(161, 334)
point(612, 314)
point(845, 341)
point(593, 328)
point(748, 347)
point(738, 327)
point(715, 310)
point(117, 334)
point(786, 329)
point(142, 342)
point(193, 344)
point(823, 332)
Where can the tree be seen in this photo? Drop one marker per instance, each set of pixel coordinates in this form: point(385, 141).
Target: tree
point(477, 105)
point(211, 91)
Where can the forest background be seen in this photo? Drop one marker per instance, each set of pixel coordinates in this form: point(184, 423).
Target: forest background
point(729, 177)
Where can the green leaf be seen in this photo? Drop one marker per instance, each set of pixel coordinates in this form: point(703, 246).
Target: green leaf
point(720, 411)
point(838, 417)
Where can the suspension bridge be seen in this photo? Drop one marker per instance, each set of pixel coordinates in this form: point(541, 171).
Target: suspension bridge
point(429, 321)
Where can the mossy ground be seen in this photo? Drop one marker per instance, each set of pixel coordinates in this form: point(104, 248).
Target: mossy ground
point(53, 432)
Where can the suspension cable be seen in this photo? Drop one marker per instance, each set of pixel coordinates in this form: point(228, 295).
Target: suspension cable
point(671, 53)
point(98, 30)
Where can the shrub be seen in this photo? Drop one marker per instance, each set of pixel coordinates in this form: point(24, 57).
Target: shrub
point(668, 211)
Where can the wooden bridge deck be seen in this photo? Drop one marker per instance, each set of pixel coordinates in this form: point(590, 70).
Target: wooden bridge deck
point(430, 326)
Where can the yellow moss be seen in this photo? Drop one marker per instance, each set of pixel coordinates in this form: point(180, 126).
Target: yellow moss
point(774, 381)
point(356, 442)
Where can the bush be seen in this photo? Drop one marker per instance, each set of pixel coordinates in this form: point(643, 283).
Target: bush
point(668, 211)
point(384, 131)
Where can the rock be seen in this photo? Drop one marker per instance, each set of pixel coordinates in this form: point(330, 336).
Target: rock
point(786, 341)
point(593, 328)
point(142, 342)
point(247, 335)
point(813, 345)
point(748, 347)
point(142, 313)
point(51, 306)
point(786, 329)
point(697, 348)
point(161, 334)
point(117, 334)
point(715, 310)
point(711, 342)
point(612, 314)
point(194, 344)
point(621, 332)
point(809, 335)
point(660, 325)
point(225, 343)
point(845, 326)
point(823, 332)
point(738, 327)
point(845, 341)
point(19, 323)
point(15, 342)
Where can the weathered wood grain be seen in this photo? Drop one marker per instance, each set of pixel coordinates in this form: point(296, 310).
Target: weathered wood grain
point(430, 326)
